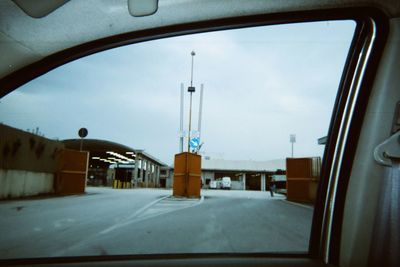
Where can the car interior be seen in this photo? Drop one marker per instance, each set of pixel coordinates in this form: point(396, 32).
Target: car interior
point(356, 216)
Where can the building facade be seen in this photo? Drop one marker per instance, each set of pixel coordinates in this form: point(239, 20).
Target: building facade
point(244, 174)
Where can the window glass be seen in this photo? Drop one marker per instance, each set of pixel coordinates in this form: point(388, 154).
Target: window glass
point(268, 96)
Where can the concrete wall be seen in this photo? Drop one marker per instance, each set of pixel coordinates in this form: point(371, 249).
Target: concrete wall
point(17, 183)
point(21, 150)
point(27, 163)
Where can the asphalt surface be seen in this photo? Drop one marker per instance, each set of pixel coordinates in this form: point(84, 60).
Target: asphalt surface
point(141, 221)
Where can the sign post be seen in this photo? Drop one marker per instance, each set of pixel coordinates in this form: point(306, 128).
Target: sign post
point(191, 89)
point(83, 132)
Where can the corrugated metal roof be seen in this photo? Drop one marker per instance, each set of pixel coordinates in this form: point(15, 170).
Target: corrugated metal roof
point(243, 165)
point(101, 146)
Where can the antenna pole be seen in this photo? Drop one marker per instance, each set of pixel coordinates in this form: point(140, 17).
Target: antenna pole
point(200, 109)
point(181, 137)
point(191, 90)
point(190, 121)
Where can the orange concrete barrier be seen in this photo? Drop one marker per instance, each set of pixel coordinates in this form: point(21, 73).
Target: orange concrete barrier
point(302, 176)
point(187, 175)
point(71, 172)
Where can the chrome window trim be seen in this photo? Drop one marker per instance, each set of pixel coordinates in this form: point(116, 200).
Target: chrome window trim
point(334, 175)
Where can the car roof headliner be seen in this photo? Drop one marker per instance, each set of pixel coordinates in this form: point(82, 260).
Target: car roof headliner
point(25, 40)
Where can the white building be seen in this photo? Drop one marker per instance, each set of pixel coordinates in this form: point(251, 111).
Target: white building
point(245, 174)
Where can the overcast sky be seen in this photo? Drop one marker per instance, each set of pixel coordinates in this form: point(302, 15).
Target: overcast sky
point(260, 86)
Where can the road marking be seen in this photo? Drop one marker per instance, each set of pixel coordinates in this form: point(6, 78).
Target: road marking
point(128, 219)
point(150, 210)
point(62, 222)
point(158, 207)
point(298, 204)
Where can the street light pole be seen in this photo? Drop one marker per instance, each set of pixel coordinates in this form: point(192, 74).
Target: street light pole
point(292, 140)
point(292, 150)
point(191, 76)
point(190, 121)
point(191, 90)
point(182, 136)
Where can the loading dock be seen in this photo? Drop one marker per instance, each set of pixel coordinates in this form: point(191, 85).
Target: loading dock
point(123, 166)
point(253, 181)
point(244, 174)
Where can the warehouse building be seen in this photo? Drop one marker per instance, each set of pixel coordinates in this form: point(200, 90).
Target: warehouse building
point(244, 174)
point(110, 162)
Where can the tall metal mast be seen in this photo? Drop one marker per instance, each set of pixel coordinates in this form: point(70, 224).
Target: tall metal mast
point(200, 109)
point(182, 136)
point(191, 90)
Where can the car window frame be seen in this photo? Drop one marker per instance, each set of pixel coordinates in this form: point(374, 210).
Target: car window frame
point(369, 20)
point(372, 29)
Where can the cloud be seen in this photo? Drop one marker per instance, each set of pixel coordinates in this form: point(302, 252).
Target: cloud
point(261, 85)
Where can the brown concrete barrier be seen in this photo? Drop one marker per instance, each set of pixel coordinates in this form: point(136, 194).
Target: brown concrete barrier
point(72, 172)
point(187, 175)
point(302, 176)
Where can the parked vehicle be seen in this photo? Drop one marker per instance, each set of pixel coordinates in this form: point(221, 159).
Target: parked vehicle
point(213, 185)
point(226, 183)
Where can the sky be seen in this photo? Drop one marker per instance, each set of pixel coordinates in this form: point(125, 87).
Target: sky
point(260, 85)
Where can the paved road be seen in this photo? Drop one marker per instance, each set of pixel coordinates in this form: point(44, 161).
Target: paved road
point(140, 221)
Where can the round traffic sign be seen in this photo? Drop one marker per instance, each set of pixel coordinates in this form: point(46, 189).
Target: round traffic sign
point(83, 132)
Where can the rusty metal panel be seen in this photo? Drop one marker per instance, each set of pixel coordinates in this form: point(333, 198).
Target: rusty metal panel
point(194, 185)
point(298, 189)
point(70, 183)
point(194, 162)
point(302, 178)
point(187, 175)
point(73, 160)
point(180, 163)
point(298, 167)
point(72, 172)
point(179, 185)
